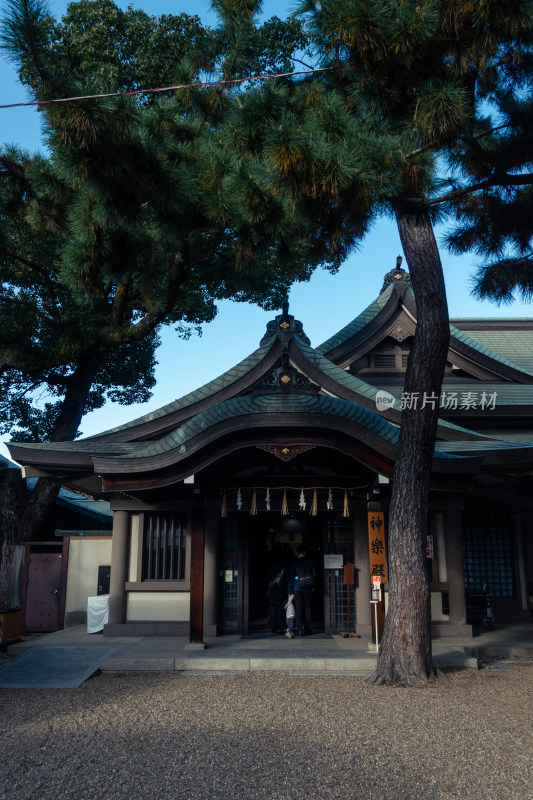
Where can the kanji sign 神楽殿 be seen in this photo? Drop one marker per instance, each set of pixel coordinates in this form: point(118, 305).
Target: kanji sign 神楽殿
point(376, 545)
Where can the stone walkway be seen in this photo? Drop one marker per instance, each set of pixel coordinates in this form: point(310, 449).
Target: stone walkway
point(310, 655)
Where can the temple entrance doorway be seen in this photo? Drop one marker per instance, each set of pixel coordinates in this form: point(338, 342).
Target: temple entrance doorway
point(272, 543)
point(250, 545)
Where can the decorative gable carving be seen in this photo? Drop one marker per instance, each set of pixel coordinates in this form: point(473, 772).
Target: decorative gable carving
point(400, 332)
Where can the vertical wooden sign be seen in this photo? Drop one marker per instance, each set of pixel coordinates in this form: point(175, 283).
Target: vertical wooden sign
point(376, 545)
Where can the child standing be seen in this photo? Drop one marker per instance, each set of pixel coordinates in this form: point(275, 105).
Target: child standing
point(290, 614)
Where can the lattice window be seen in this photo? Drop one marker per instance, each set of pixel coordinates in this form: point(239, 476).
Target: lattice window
point(341, 540)
point(164, 543)
point(229, 574)
point(487, 553)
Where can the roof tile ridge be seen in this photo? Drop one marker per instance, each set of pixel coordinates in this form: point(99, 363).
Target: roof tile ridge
point(348, 378)
point(462, 336)
point(353, 327)
point(332, 367)
point(178, 438)
point(188, 399)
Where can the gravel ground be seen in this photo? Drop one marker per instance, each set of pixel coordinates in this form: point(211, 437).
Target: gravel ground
point(266, 735)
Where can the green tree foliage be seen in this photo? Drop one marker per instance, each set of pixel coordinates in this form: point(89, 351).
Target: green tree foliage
point(134, 218)
point(139, 214)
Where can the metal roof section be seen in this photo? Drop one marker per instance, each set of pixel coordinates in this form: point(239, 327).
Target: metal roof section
point(506, 394)
point(5, 463)
point(76, 501)
point(251, 413)
point(397, 285)
point(488, 445)
point(339, 375)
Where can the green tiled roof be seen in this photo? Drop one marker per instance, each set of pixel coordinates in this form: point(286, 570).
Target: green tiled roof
point(272, 404)
point(249, 406)
point(338, 374)
point(467, 339)
point(507, 394)
point(208, 389)
point(359, 386)
point(515, 346)
point(482, 446)
point(358, 323)
point(79, 446)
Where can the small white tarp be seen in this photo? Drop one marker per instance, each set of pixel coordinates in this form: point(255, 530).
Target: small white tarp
point(97, 613)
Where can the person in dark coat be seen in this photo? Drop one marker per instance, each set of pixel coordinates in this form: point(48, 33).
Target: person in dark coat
point(277, 591)
point(302, 578)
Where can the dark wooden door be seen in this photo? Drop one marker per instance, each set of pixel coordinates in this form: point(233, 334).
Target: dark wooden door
point(43, 593)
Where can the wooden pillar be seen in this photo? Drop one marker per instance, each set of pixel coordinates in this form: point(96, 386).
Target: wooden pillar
point(210, 571)
point(64, 575)
point(196, 626)
point(362, 563)
point(119, 556)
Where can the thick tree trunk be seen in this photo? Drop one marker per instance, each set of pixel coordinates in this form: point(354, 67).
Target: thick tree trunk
point(12, 493)
point(43, 498)
point(405, 652)
point(24, 513)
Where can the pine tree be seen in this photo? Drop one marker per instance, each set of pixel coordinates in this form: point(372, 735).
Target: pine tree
point(423, 112)
point(435, 77)
point(131, 220)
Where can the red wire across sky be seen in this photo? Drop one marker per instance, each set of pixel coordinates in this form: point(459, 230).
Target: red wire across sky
point(172, 88)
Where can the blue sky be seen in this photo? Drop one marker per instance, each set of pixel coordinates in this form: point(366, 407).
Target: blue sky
point(324, 304)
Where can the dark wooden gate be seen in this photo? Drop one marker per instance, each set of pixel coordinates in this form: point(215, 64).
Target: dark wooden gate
point(43, 592)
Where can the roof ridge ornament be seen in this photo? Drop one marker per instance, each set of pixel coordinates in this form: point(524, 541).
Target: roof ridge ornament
point(285, 378)
point(398, 277)
point(284, 326)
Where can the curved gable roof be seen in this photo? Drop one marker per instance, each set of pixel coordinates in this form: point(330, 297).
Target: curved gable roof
point(514, 345)
point(477, 347)
point(358, 324)
point(236, 378)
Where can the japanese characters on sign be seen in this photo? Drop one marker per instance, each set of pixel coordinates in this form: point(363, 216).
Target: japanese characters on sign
point(376, 545)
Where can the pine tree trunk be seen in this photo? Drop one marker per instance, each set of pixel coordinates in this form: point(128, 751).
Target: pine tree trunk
point(12, 492)
point(405, 652)
point(43, 498)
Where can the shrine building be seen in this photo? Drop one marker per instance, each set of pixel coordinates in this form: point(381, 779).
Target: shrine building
point(297, 444)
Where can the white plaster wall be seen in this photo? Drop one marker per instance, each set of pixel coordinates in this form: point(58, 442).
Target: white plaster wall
point(436, 608)
point(84, 558)
point(158, 607)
